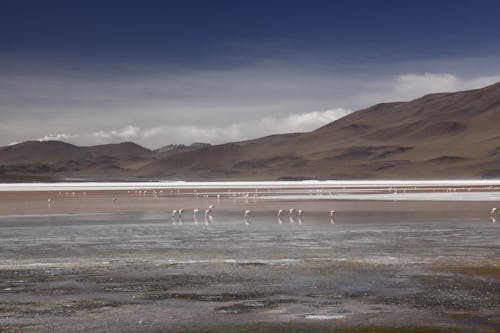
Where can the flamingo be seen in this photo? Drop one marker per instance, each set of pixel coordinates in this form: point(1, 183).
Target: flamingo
point(195, 211)
point(246, 216)
point(174, 212)
point(332, 213)
point(280, 212)
point(290, 212)
point(211, 207)
point(300, 213)
point(180, 211)
point(494, 211)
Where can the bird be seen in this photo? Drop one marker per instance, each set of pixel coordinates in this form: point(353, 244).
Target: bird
point(300, 213)
point(195, 211)
point(290, 212)
point(280, 212)
point(180, 211)
point(174, 212)
point(208, 212)
point(494, 211)
point(332, 213)
point(246, 216)
point(211, 207)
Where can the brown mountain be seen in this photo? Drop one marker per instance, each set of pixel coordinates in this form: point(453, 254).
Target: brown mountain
point(446, 135)
point(55, 159)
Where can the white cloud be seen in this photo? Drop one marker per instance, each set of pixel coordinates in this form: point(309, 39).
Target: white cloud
point(413, 84)
point(408, 86)
point(300, 122)
point(126, 133)
point(57, 137)
point(162, 135)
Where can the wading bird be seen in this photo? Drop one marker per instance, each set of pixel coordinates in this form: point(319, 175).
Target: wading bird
point(494, 211)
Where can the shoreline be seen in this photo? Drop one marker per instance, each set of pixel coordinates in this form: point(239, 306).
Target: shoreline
point(311, 197)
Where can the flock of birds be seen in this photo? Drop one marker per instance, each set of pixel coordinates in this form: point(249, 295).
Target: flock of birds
point(208, 213)
point(178, 214)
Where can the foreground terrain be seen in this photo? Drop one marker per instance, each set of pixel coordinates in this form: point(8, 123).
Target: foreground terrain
point(117, 261)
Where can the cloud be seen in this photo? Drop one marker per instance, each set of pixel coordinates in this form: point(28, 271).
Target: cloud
point(161, 135)
point(413, 84)
point(300, 122)
point(155, 104)
point(408, 86)
point(186, 134)
point(127, 133)
point(57, 137)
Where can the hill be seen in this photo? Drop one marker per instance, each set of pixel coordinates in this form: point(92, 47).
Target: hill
point(445, 135)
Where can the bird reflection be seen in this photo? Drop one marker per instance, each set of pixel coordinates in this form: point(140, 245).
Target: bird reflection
point(246, 217)
point(493, 219)
point(280, 220)
point(209, 219)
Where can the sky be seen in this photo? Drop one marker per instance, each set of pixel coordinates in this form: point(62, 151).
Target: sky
point(177, 72)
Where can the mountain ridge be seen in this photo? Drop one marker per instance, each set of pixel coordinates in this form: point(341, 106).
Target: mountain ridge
point(441, 135)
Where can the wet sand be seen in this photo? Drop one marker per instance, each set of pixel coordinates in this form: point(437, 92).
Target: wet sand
point(91, 263)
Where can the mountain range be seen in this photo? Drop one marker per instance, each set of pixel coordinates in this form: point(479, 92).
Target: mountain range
point(444, 135)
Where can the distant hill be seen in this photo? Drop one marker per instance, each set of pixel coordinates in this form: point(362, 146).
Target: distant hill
point(445, 135)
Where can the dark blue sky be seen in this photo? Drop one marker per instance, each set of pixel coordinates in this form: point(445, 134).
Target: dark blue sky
point(160, 72)
point(200, 32)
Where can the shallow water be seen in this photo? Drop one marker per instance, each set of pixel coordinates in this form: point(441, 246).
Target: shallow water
point(366, 237)
point(144, 271)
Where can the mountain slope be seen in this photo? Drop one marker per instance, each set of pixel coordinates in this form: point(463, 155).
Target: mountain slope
point(440, 135)
point(445, 135)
